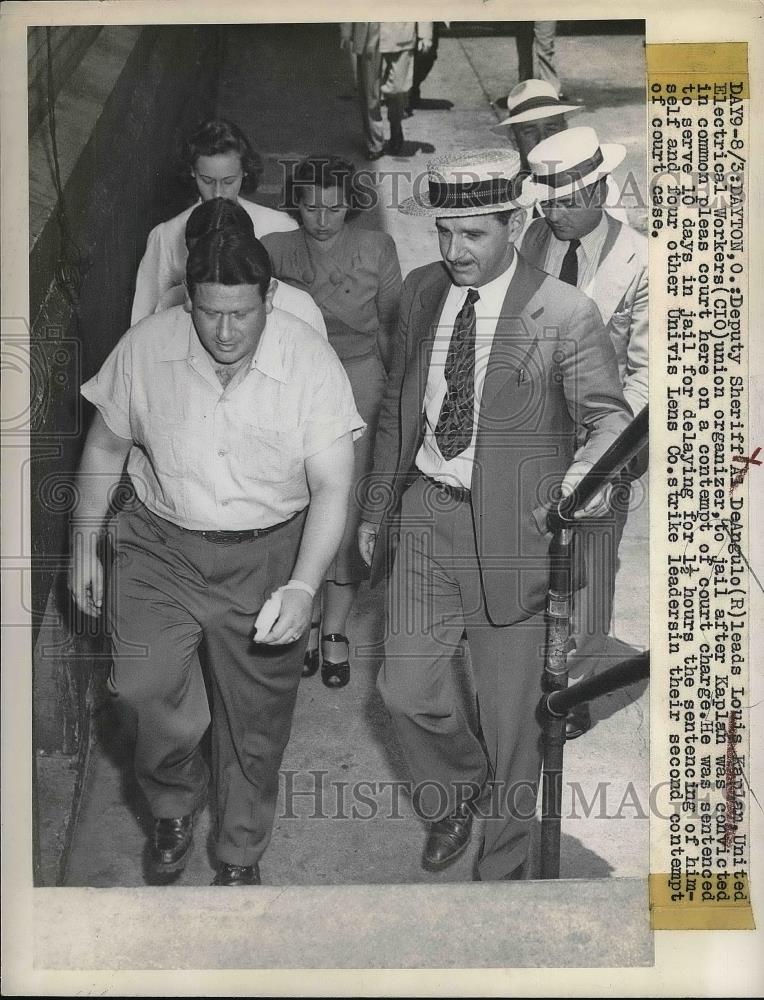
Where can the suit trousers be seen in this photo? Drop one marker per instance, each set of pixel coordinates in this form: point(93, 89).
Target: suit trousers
point(434, 595)
point(172, 596)
point(535, 51)
point(391, 74)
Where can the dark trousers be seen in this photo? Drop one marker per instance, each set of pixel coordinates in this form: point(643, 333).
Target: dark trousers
point(423, 63)
point(435, 594)
point(173, 595)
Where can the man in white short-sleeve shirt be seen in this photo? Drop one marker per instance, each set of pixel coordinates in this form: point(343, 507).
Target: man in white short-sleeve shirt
point(237, 421)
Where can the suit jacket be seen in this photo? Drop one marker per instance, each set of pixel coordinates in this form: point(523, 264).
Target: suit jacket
point(551, 370)
point(620, 291)
point(394, 36)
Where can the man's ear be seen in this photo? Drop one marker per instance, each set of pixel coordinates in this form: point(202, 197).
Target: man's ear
point(268, 297)
point(187, 304)
point(515, 224)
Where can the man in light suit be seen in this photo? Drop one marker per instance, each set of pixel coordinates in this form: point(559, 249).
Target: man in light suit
point(535, 114)
point(384, 53)
point(496, 368)
point(579, 242)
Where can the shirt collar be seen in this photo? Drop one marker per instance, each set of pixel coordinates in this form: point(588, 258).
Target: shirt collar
point(269, 356)
point(592, 242)
point(182, 344)
point(495, 289)
point(180, 341)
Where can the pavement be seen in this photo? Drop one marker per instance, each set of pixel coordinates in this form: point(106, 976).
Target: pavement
point(291, 89)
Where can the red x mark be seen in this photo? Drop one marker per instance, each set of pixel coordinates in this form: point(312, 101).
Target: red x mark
point(747, 461)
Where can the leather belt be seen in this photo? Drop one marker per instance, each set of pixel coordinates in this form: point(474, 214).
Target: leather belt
point(234, 537)
point(460, 493)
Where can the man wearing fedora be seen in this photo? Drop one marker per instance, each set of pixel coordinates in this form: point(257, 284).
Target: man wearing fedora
point(580, 243)
point(535, 114)
point(496, 369)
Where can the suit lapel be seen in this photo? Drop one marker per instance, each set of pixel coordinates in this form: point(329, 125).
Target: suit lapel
point(432, 296)
point(535, 243)
point(614, 275)
point(515, 333)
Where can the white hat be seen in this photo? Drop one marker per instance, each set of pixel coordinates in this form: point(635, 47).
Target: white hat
point(533, 99)
point(571, 160)
point(475, 182)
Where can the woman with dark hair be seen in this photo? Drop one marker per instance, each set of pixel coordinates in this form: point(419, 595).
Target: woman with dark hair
point(219, 162)
point(354, 277)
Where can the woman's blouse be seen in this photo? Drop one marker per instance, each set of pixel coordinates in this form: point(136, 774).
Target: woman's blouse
point(356, 283)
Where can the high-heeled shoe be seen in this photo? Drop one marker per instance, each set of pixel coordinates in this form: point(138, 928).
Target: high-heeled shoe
point(312, 657)
point(335, 675)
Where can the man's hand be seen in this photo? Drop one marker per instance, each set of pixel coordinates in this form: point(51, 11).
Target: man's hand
point(294, 618)
point(100, 471)
point(424, 45)
point(86, 575)
point(367, 539)
point(599, 505)
point(346, 44)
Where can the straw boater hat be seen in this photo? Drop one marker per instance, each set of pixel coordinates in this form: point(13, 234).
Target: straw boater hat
point(533, 99)
point(477, 182)
point(571, 160)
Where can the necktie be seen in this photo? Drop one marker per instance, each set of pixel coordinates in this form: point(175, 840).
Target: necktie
point(453, 431)
point(569, 269)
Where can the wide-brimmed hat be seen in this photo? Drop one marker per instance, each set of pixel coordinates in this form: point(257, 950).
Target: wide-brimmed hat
point(533, 99)
point(474, 182)
point(571, 160)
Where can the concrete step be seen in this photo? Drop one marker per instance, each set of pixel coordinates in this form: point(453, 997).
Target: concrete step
point(567, 923)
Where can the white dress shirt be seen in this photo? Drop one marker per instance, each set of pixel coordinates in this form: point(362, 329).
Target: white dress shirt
point(588, 254)
point(458, 471)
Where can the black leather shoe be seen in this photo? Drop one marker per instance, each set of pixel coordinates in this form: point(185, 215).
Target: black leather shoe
point(375, 154)
point(578, 722)
point(336, 675)
point(171, 843)
point(448, 838)
point(237, 875)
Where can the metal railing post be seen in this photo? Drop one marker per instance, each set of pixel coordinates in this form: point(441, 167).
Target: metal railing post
point(557, 696)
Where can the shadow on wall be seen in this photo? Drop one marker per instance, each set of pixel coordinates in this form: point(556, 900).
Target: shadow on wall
point(101, 175)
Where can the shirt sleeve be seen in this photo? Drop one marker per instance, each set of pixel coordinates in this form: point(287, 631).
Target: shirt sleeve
point(269, 220)
point(331, 409)
point(317, 321)
point(148, 280)
point(110, 389)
